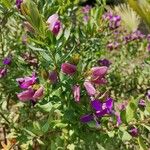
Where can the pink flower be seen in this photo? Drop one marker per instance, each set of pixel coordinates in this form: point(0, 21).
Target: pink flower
point(54, 23)
point(68, 69)
point(3, 72)
point(53, 77)
point(89, 88)
point(26, 82)
point(118, 118)
point(76, 93)
point(31, 94)
point(86, 9)
point(26, 95)
point(98, 74)
point(38, 93)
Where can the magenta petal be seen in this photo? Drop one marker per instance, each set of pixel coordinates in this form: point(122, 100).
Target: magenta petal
point(99, 71)
point(68, 68)
point(96, 105)
point(54, 24)
point(53, 77)
point(3, 72)
point(76, 93)
point(118, 118)
point(142, 103)
point(39, 93)
point(7, 61)
point(109, 103)
point(101, 113)
point(26, 82)
point(26, 95)
point(56, 28)
point(86, 118)
point(89, 88)
point(134, 132)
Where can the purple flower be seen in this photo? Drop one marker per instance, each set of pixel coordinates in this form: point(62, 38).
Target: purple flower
point(98, 106)
point(117, 114)
point(89, 88)
point(31, 94)
point(100, 109)
point(106, 108)
point(133, 131)
point(68, 69)
point(137, 35)
point(26, 82)
point(142, 103)
point(107, 16)
point(3, 72)
point(18, 3)
point(97, 75)
point(104, 62)
point(148, 94)
point(122, 105)
point(53, 77)
point(127, 38)
point(38, 93)
point(114, 22)
point(54, 24)
point(86, 18)
point(76, 93)
point(7, 61)
point(86, 118)
point(26, 95)
point(113, 45)
point(86, 9)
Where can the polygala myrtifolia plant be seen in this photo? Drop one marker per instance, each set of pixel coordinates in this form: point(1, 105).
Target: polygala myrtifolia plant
point(72, 77)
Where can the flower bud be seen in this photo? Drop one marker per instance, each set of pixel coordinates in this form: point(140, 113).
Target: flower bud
point(3, 72)
point(26, 95)
point(38, 93)
point(7, 61)
point(68, 69)
point(54, 24)
point(18, 3)
point(133, 131)
point(89, 88)
point(53, 77)
point(76, 93)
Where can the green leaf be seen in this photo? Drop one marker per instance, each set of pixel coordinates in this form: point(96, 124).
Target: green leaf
point(148, 106)
point(36, 125)
point(35, 48)
point(141, 143)
point(131, 111)
point(126, 136)
point(45, 56)
point(6, 3)
point(147, 127)
point(29, 132)
point(46, 107)
point(45, 128)
point(67, 33)
point(123, 116)
point(100, 147)
point(60, 125)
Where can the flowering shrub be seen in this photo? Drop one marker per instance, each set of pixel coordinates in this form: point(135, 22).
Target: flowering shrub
point(72, 77)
